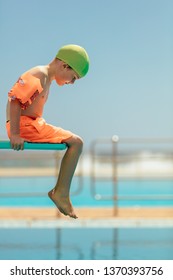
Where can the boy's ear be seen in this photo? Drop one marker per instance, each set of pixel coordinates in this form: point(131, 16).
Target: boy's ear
point(65, 65)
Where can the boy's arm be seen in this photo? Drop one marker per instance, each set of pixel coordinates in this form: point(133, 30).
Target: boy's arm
point(17, 143)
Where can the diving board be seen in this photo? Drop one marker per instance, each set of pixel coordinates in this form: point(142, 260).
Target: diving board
point(6, 145)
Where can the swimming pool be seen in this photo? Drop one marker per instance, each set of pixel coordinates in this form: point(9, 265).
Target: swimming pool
point(34, 190)
point(86, 244)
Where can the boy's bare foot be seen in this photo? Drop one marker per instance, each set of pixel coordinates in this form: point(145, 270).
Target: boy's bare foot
point(62, 203)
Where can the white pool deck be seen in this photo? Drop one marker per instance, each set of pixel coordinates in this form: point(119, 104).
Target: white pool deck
point(88, 223)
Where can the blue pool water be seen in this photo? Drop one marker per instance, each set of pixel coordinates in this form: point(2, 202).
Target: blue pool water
point(86, 244)
point(37, 185)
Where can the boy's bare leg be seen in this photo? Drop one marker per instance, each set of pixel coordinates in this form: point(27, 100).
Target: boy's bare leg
point(60, 195)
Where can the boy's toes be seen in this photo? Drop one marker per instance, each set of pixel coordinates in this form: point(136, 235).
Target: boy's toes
point(73, 215)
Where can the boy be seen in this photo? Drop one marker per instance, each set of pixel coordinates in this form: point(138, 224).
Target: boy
point(25, 105)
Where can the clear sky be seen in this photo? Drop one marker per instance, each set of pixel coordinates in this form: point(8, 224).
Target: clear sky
point(129, 88)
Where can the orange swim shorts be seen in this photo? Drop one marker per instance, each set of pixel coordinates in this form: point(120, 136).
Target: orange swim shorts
point(37, 130)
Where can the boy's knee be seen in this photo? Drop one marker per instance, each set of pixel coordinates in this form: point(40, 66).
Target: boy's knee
point(76, 141)
point(79, 143)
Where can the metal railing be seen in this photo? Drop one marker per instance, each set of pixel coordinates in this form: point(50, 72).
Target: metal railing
point(112, 144)
point(116, 155)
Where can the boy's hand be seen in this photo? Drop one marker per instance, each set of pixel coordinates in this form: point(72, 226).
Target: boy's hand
point(17, 143)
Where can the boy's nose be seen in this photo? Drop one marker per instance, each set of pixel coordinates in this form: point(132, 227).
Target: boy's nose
point(73, 80)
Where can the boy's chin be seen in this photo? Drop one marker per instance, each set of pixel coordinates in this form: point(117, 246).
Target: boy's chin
point(59, 83)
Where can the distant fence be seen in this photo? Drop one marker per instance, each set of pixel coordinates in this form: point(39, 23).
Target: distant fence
point(129, 158)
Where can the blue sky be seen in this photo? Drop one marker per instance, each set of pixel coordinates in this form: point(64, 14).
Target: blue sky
point(129, 88)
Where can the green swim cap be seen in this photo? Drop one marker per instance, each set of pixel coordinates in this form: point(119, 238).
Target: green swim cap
point(76, 57)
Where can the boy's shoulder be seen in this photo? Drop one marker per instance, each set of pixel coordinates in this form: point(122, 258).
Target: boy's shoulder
point(39, 72)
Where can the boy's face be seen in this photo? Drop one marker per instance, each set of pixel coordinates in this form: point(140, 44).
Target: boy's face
point(66, 76)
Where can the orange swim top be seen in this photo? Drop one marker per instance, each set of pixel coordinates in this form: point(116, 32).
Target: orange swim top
point(26, 89)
